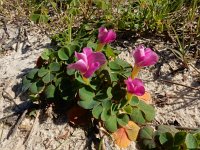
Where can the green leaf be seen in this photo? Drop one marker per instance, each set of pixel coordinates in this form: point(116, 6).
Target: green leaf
point(146, 138)
point(72, 48)
point(40, 86)
point(105, 114)
point(191, 141)
point(111, 123)
point(92, 45)
point(42, 72)
point(123, 63)
point(101, 95)
point(39, 18)
point(54, 66)
point(137, 116)
point(110, 52)
point(32, 73)
point(128, 109)
point(122, 119)
point(48, 77)
point(86, 98)
point(166, 139)
point(134, 101)
point(46, 53)
point(96, 111)
point(114, 66)
point(179, 138)
point(166, 128)
point(114, 109)
point(62, 54)
point(197, 136)
point(33, 88)
point(109, 92)
point(146, 133)
point(86, 93)
point(148, 110)
point(71, 72)
point(26, 84)
point(50, 90)
point(106, 110)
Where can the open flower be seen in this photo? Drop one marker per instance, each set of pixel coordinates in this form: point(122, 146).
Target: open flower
point(106, 36)
point(144, 56)
point(135, 86)
point(88, 62)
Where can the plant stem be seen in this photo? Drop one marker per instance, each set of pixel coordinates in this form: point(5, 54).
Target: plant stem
point(136, 70)
point(86, 80)
point(99, 47)
point(129, 96)
point(70, 29)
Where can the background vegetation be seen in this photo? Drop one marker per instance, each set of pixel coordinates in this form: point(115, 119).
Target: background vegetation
point(176, 20)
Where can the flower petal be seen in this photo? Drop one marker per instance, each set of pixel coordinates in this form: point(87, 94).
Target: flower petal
point(139, 54)
point(106, 36)
point(102, 29)
point(96, 57)
point(144, 56)
point(139, 90)
point(111, 36)
point(137, 82)
point(81, 56)
point(151, 58)
point(88, 51)
point(135, 86)
point(80, 65)
point(95, 66)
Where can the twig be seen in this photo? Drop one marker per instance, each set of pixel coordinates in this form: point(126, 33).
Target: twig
point(14, 128)
point(177, 127)
point(195, 68)
point(194, 88)
point(1, 135)
point(185, 128)
point(34, 127)
point(101, 143)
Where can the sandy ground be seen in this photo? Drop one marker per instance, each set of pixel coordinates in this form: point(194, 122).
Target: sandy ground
point(175, 104)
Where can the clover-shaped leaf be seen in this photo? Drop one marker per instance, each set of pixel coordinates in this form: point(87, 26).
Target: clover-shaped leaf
point(111, 123)
point(50, 90)
point(87, 98)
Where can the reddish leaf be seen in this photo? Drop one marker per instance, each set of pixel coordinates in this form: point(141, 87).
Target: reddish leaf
point(146, 98)
point(132, 130)
point(121, 138)
point(40, 62)
point(78, 116)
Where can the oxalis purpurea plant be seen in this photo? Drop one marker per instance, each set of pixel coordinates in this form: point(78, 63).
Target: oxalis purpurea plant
point(106, 87)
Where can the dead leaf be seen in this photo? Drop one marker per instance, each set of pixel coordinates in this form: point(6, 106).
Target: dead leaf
point(78, 116)
point(124, 135)
point(146, 97)
point(121, 138)
point(132, 130)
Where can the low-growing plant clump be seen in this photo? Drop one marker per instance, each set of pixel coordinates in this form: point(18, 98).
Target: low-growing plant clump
point(86, 78)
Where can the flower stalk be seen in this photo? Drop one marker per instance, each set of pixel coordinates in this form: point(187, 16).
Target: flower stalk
point(86, 80)
point(135, 72)
point(129, 97)
point(99, 47)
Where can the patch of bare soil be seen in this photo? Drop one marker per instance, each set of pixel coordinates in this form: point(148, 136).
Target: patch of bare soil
point(175, 93)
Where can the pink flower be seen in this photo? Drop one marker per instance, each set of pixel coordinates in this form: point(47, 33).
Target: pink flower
point(144, 56)
point(88, 62)
point(135, 86)
point(106, 36)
